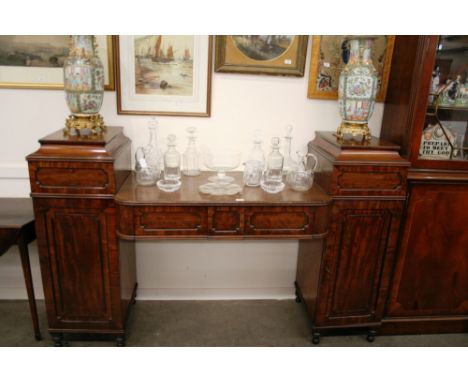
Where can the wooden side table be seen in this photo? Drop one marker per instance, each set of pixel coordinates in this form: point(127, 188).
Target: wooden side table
point(17, 228)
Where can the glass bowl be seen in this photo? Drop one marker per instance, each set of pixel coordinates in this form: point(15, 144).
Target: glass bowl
point(221, 160)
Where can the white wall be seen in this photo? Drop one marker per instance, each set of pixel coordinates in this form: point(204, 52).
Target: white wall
point(185, 269)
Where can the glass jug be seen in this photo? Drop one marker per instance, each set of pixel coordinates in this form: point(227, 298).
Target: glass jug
point(146, 175)
point(301, 178)
point(148, 158)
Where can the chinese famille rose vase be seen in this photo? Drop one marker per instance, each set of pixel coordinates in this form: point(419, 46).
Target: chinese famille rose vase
point(84, 87)
point(357, 89)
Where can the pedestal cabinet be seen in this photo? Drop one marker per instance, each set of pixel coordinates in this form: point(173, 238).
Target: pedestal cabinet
point(426, 112)
point(88, 274)
point(367, 184)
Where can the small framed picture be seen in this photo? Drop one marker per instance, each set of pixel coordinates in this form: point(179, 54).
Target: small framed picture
point(256, 54)
point(164, 75)
point(36, 62)
point(328, 57)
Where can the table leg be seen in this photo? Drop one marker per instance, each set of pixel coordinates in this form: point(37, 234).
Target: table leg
point(23, 248)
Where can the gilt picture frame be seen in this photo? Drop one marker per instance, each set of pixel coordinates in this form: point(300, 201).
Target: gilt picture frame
point(164, 75)
point(35, 62)
point(327, 62)
point(268, 54)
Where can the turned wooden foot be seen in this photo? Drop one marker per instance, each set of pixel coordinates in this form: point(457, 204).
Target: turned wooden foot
point(371, 335)
point(120, 341)
point(58, 340)
point(315, 338)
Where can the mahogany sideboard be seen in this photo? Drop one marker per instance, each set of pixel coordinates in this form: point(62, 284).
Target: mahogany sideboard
point(89, 211)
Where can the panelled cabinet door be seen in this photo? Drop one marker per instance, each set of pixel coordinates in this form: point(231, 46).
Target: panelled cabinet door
point(357, 267)
point(430, 274)
point(79, 264)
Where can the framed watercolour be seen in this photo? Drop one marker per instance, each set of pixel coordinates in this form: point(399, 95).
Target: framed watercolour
point(256, 54)
point(35, 62)
point(164, 75)
point(327, 60)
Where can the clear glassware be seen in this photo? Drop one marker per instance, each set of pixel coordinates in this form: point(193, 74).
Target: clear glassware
point(301, 178)
point(272, 179)
point(171, 178)
point(171, 159)
point(145, 176)
point(257, 153)
point(253, 170)
point(221, 160)
point(153, 154)
point(289, 163)
point(255, 164)
point(148, 158)
point(191, 156)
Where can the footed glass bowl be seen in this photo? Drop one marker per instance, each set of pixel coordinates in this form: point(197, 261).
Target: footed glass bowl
point(221, 160)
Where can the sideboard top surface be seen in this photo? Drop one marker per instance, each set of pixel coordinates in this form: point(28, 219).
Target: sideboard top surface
point(59, 146)
point(133, 194)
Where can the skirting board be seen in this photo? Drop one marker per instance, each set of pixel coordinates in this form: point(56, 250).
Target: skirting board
point(18, 293)
point(282, 293)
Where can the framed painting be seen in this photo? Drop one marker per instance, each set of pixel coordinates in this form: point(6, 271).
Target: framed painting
point(35, 62)
point(256, 54)
point(164, 75)
point(327, 61)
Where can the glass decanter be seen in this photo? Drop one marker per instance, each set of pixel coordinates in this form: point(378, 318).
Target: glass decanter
point(191, 156)
point(257, 153)
point(289, 163)
point(171, 179)
point(148, 158)
point(152, 152)
point(272, 179)
point(255, 164)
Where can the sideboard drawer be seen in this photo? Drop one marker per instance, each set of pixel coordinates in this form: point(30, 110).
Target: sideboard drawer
point(226, 221)
point(370, 180)
point(72, 178)
point(170, 221)
point(285, 221)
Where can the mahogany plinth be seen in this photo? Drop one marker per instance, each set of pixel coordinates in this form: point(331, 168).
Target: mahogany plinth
point(367, 184)
point(73, 182)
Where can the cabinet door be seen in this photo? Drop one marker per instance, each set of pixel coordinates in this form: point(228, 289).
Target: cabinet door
point(76, 249)
point(358, 261)
point(431, 273)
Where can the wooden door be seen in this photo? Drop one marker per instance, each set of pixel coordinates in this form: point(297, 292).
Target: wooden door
point(78, 256)
point(358, 261)
point(430, 274)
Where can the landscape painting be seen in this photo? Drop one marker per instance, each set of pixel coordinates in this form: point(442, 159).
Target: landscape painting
point(33, 51)
point(36, 62)
point(283, 55)
point(262, 47)
point(164, 65)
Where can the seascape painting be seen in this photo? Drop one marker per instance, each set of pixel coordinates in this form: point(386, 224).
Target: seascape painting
point(164, 65)
point(33, 51)
point(262, 48)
